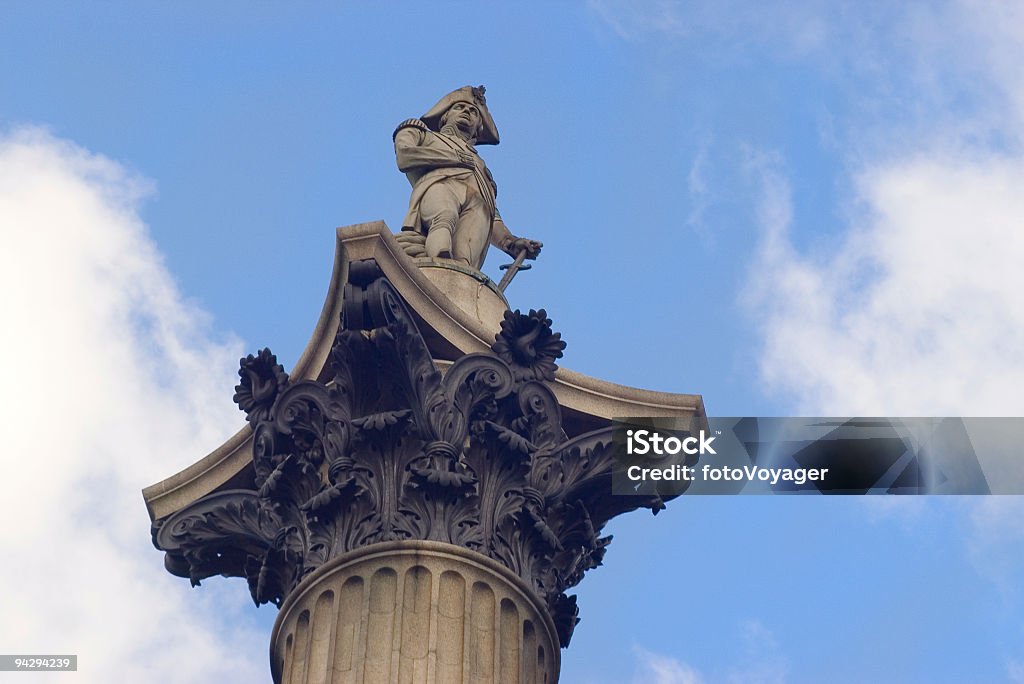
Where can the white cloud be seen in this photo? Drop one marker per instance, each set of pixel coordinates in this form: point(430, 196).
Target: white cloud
point(881, 77)
point(917, 308)
point(999, 25)
point(1015, 671)
point(632, 20)
point(762, 662)
point(699, 194)
point(800, 27)
point(757, 661)
point(113, 382)
point(661, 669)
point(917, 311)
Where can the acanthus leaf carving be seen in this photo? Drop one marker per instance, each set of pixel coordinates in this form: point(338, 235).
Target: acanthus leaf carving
point(391, 448)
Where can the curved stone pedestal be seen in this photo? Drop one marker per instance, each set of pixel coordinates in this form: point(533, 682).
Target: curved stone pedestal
point(469, 289)
point(413, 611)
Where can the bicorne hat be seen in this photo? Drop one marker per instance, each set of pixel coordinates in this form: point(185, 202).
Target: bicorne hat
point(488, 134)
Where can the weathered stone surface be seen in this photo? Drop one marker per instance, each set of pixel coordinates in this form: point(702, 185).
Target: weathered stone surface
point(449, 331)
point(413, 612)
point(427, 454)
point(389, 449)
point(470, 290)
point(453, 193)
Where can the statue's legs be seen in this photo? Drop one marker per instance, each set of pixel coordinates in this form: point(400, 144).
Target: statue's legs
point(473, 232)
point(458, 223)
point(439, 238)
point(439, 211)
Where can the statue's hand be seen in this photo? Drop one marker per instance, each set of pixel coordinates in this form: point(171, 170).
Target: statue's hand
point(466, 159)
point(532, 247)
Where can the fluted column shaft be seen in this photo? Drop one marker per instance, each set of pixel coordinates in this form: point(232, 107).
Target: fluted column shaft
point(413, 612)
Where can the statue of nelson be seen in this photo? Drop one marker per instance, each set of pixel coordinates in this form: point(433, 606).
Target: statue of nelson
point(453, 193)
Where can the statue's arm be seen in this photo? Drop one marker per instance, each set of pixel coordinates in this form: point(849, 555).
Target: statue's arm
point(412, 153)
point(501, 236)
point(503, 239)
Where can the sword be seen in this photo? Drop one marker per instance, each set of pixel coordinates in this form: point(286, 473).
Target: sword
point(512, 269)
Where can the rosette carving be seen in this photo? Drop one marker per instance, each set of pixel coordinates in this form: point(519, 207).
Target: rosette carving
point(262, 379)
point(527, 344)
point(392, 449)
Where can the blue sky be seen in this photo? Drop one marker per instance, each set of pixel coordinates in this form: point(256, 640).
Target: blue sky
point(794, 209)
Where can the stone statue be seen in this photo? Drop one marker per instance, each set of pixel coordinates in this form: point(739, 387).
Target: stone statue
point(453, 193)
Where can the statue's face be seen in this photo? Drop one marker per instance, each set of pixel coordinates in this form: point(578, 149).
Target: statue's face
point(465, 116)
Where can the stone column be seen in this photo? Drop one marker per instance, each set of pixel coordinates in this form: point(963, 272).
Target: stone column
point(413, 612)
